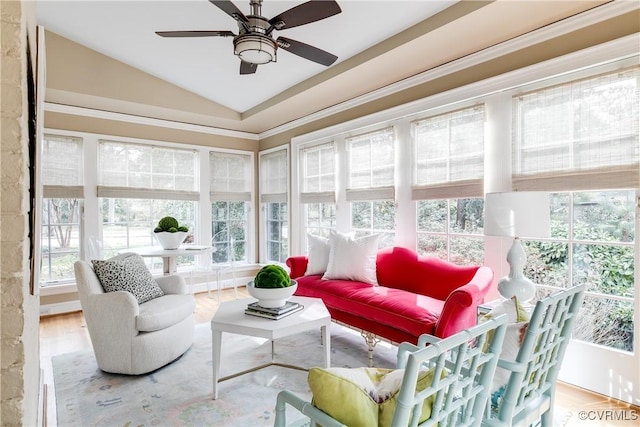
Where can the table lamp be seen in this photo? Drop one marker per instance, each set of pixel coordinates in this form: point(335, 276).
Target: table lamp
point(517, 214)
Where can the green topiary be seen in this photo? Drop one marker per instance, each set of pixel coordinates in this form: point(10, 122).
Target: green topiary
point(170, 225)
point(272, 276)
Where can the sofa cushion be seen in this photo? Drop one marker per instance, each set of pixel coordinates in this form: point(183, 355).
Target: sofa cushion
point(352, 259)
point(396, 308)
point(127, 272)
point(165, 311)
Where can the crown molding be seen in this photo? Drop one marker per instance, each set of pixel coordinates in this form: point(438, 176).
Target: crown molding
point(598, 14)
point(605, 55)
point(147, 121)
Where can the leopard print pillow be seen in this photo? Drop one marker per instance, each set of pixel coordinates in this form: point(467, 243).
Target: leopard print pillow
point(127, 272)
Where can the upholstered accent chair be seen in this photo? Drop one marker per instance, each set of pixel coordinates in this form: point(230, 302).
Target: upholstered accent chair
point(134, 338)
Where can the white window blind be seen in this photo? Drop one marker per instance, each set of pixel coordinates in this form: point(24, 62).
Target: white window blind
point(137, 171)
point(62, 167)
point(274, 172)
point(582, 135)
point(371, 166)
point(449, 155)
point(318, 164)
point(231, 177)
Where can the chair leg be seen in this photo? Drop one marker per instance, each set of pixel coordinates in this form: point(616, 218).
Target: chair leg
point(192, 285)
point(208, 278)
point(219, 285)
point(233, 282)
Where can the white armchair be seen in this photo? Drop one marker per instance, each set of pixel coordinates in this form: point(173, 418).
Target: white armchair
point(131, 338)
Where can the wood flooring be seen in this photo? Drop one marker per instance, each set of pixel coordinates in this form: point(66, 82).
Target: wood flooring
point(67, 333)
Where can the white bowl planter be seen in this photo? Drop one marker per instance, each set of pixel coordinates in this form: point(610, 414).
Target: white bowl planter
point(272, 297)
point(171, 240)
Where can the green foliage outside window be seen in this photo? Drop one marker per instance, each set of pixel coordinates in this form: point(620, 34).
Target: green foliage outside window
point(601, 256)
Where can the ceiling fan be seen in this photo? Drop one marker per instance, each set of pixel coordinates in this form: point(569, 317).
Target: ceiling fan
point(254, 44)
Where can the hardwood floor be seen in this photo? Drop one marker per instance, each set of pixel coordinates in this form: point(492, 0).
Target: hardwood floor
point(67, 333)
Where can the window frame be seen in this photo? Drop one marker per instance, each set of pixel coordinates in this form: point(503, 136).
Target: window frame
point(267, 200)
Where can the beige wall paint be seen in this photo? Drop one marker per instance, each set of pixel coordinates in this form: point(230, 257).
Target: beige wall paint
point(154, 133)
point(602, 32)
point(83, 77)
point(19, 336)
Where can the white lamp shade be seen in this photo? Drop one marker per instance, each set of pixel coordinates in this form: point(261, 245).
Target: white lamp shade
point(255, 49)
point(517, 214)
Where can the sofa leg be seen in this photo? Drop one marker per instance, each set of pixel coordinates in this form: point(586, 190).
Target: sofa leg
point(371, 340)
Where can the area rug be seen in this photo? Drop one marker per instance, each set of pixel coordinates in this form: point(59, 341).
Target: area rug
point(180, 394)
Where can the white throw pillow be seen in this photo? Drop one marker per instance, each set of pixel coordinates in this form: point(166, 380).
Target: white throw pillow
point(318, 256)
point(353, 259)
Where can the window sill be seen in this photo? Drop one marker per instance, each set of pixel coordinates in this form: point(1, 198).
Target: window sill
point(66, 288)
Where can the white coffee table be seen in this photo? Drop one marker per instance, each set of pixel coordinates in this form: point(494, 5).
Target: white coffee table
point(230, 317)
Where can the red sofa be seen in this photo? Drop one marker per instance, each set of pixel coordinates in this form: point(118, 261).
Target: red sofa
point(415, 295)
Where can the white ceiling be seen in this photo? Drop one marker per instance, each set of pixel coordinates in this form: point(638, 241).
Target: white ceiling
point(381, 46)
point(125, 30)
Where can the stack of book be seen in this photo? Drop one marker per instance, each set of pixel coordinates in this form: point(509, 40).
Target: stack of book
point(254, 309)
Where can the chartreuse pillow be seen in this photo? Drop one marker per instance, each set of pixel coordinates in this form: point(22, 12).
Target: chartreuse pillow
point(362, 397)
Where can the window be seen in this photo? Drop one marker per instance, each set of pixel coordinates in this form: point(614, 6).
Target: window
point(582, 135)
point(274, 184)
point(63, 192)
point(139, 184)
point(318, 192)
point(451, 229)
point(371, 188)
point(231, 181)
point(580, 140)
point(449, 162)
point(320, 218)
point(128, 223)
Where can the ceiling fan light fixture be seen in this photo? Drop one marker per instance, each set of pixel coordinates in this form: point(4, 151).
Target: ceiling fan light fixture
point(255, 48)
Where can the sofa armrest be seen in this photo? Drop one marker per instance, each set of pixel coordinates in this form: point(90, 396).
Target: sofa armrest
point(298, 265)
point(460, 307)
point(172, 284)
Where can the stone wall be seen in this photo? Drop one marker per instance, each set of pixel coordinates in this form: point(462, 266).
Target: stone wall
point(19, 322)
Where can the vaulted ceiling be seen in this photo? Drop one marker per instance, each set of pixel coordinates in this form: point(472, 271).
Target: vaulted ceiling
point(378, 44)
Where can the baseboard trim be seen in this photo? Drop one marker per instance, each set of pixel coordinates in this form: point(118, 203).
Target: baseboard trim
point(60, 308)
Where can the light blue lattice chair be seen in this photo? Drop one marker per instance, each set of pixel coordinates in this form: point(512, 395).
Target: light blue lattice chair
point(527, 398)
point(444, 382)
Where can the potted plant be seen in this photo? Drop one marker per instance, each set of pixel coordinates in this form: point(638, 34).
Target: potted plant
point(169, 233)
point(272, 286)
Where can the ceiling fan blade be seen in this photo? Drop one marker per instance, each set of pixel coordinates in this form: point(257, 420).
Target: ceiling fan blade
point(306, 51)
point(230, 9)
point(248, 67)
point(195, 33)
point(305, 13)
